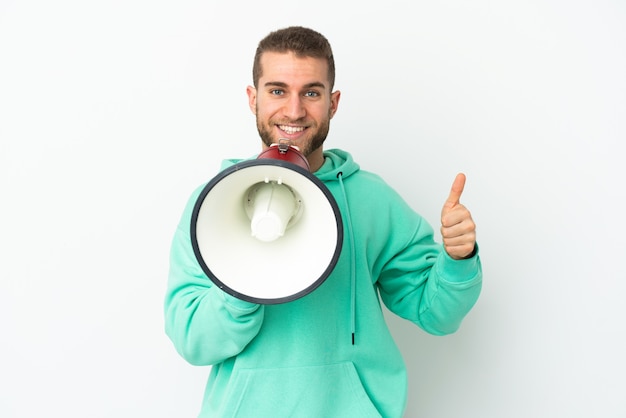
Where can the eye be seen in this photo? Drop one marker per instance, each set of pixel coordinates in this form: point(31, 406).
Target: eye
point(277, 92)
point(311, 93)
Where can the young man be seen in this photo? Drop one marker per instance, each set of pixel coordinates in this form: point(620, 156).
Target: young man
point(297, 359)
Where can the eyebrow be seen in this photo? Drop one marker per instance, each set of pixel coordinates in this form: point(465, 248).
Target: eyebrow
point(306, 86)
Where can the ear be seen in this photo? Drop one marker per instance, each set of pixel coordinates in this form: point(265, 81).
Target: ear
point(334, 102)
point(251, 91)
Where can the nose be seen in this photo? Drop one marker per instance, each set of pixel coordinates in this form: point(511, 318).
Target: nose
point(294, 108)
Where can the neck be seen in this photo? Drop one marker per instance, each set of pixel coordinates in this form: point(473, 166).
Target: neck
point(316, 159)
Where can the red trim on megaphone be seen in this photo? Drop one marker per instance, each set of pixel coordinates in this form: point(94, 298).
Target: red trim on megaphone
point(286, 152)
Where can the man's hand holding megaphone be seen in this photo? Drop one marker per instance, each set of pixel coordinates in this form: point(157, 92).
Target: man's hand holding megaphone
point(458, 230)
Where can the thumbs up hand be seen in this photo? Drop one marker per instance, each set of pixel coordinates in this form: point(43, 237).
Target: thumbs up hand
point(457, 227)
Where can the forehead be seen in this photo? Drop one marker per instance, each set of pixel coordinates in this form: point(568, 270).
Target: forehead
point(290, 69)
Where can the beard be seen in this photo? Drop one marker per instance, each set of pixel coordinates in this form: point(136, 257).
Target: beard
point(306, 145)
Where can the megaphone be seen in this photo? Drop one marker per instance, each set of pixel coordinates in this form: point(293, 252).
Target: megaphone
point(266, 230)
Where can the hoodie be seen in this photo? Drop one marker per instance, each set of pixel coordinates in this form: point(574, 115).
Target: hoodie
point(330, 352)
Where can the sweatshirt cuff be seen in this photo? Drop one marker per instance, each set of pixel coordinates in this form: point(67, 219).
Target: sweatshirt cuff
point(239, 304)
point(458, 271)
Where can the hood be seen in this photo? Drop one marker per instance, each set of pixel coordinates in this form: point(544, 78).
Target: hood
point(336, 161)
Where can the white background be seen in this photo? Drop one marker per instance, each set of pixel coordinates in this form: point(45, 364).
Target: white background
point(112, 112)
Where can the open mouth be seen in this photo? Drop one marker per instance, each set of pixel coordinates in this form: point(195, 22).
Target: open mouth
point(291, 130)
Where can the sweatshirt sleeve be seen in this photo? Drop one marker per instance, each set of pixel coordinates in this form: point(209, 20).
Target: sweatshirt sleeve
point(421, 283)
point(205, 324)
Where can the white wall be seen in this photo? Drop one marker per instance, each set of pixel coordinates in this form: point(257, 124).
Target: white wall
point(111, 112)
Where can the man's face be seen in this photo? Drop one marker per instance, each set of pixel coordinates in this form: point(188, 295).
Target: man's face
point(293, 101)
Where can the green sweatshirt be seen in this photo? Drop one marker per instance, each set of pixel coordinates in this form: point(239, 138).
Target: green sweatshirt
point(298, 359)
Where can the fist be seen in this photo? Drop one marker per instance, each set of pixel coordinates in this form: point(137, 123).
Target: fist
point(458, 230)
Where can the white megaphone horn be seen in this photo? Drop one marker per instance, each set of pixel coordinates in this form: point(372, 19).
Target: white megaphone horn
point(267, 230)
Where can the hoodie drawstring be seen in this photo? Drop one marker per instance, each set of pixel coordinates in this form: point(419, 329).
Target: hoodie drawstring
point(352, 259)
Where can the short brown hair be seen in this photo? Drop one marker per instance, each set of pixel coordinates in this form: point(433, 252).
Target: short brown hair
point(303, 42)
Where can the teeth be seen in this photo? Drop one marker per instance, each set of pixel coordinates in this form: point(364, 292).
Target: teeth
point(291, 129)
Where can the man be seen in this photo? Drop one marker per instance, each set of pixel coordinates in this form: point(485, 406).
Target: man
point(329, 353)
